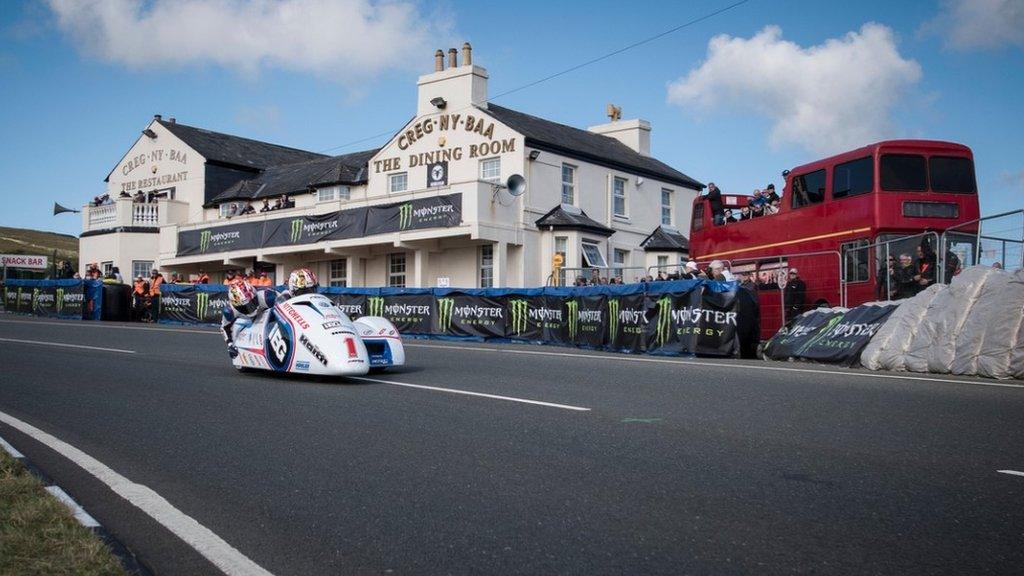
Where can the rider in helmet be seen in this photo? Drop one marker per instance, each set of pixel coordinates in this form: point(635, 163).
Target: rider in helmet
point(301, 281)
point(246, 304)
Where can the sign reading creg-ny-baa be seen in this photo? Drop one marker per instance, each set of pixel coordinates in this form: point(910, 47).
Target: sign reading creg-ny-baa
point(24, 261)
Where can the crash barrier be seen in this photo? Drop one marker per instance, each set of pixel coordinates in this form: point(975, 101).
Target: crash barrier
point(54, 298)
point(831, 335)
point(670, 318)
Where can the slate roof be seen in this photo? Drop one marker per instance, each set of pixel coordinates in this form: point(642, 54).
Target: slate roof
point(235, 150)
point(665, 239)
point(566, 217)
point(301, 176)
point(574, 142)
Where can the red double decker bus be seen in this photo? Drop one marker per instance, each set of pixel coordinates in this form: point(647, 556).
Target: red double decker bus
point(839, 220)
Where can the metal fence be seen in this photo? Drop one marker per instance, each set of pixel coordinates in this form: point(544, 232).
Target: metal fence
point(996, 240)
point(596, 275)
point(891, 257)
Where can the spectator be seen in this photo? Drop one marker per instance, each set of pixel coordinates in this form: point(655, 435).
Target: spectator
point(925, 276)
point(795, 293)
point(886, 286)
point(264, 279)
point(716, 271)
point(770, 195)
point(140, 299)
point(728, 217)
point(277, 205)
point(756, 211)
point(249, 208)
point(266, 205)
point(660, 277)
point(997, 265)
point(580, 281)
point(203, 278)
point(124, 194)
point(745, 213)
point(116, 273)
point(953, 266)
point(772, 207)
point(747, 281)
point(139, 197)
point(758, 200)
point(155, 280)
point(287, 202)
point(906, 286)
point(689, 271)
point(714, 196)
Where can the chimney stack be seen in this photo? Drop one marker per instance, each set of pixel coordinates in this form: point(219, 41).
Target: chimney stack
point(453, 58)
point(467, 54)
point(173, 120)
point(157, 117)
point(438, 60)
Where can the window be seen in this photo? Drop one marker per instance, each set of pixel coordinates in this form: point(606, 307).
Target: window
point(666, 207)
point(333, 193)
point(952, 175)
point(108, 267)
point(568, 184)
point(398, 182)
point(487, 266)
point(621, 258)
point(396, 270)
point(619, 197)
point(141, 268)
point(561, 247)
point(662, 263)
point(853, 178)
point(339, 273)
point(809, 189)
point(225, 209)
point(490, 170)
point(698, 217)
point(855, 260)
point(903, 172)
point(592, 256)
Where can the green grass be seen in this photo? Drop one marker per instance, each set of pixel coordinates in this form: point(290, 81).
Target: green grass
point(39, 535)
point(23, 241)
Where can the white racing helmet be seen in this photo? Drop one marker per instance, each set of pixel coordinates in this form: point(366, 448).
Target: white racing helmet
point(243, 299)
point(302, 281)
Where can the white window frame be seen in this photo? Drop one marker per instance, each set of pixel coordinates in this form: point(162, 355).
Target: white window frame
point(562, 247)
point(325, 194)
point(569, 185)
point(108, 267)
point(615, 196)
point(337, 273)
point(396, 279)
point(223, 209)
point(145, 265)
point(486, 261)
point(393, 179)
point(666, 209)
point(599, 262)
point(620, 258)
point(488, 165)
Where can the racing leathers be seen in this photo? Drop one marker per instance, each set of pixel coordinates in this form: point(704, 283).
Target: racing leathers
point(232, 321)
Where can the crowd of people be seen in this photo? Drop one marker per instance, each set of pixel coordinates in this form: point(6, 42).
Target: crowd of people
point(246, 208)
point(762, 203)
point(139, 197)
point(906, 276)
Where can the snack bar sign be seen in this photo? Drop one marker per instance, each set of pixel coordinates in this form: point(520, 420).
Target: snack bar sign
point(24, 261)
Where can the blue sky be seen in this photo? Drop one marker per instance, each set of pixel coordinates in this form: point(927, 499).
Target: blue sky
point(81, 79)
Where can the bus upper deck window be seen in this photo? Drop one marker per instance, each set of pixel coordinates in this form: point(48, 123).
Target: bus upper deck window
point(950, 174)
point(904, 172)
point(809, 188)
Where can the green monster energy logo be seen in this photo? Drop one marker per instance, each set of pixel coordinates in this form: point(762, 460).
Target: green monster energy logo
point(519, 311)
point(35, 295)
point(202, 303)
point(573, 307)
point(445, 308)
point(613, 317)
point(821, 333)
point(376, 305)
point(405, 216)
point(204, 240)
point(296, 234)
point(664, 320)
point(60, 299)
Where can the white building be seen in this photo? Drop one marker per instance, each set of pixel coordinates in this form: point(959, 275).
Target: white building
point(429, 208)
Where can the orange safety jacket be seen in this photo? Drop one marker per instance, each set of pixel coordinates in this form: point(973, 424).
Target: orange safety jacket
point(140, 288)
point(154, 286)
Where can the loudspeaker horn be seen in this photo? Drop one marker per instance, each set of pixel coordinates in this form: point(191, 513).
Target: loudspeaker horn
point(516, 185)
point(58, 209)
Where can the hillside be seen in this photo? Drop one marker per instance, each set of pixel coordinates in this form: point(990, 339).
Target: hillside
point(22, 241)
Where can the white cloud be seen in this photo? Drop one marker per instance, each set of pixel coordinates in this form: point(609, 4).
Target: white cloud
point(969, 24)
point(1013, 180)
point(340, 40)
point(826, 98)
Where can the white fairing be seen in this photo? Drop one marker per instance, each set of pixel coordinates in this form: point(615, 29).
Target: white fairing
point(382, 340)
point(308, 334)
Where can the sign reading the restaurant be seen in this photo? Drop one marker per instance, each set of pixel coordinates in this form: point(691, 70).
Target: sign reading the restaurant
point(437, 174)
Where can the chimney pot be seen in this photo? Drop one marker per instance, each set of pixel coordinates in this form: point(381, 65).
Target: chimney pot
point(438, 60)
point(173, 120)
point(467, 54)
point(157, 117)
point(453, 58)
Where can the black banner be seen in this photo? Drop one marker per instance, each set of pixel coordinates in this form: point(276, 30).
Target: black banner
point(433, 212)
point(18, 299)
point(790, 340)
point(241, 236)
point(697, 321)
point(437, 174)
point(627, 322)
point(843, 341)
point(536, 317)
point(308, 229)
point(353, 305)
point(460, 314)
point(585, 316)
point(193, 305)
point(410, 313)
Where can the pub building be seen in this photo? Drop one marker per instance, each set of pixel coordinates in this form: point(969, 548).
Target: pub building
point(468, 194)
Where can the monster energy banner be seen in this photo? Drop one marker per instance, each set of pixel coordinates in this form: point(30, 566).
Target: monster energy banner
point(829, 335)
point(308, 229)
point(461, 314)
point(241, 236)
point(353, 305)
point(411, 313)
point(49, 298)
point(201, 304)
point(585, 317)
point(627, 322)
point(433, 212)
point(537, 317)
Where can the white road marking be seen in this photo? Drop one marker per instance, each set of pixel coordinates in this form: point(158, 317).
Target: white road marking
point(626, 358)
point(67, 345)
point(204, 541)
point(1012, 472)
point(11, 450)
point(480, 394)
point(81, 515)
point(84, 324)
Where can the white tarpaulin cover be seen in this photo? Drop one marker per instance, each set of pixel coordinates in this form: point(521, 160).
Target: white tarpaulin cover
point(974, 326)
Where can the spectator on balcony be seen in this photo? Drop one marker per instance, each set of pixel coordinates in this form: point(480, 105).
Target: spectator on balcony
point(728, 217)
point(772, 207)
point(124, 194)
point(906, 286)
point(745, 213)
point(266, 205)
point(757, 210)
point(249, 209)
point(139, 197)
point(287, 202)
point(758, 200)
point(277, 205)
point(716, 271)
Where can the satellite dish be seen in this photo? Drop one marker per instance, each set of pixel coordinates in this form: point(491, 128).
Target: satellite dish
point(516, 185)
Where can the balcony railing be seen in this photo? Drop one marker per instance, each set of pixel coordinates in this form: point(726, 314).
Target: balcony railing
point(122, 213)
point(145, 215)
point(102, 216)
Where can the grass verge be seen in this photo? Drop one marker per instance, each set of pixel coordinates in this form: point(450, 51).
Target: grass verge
point(39, 535)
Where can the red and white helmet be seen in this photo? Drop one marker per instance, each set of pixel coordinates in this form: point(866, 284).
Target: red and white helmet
point(302, 281)
point(243, 299)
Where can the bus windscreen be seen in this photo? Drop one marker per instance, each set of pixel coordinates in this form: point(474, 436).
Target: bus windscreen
point(904, 172)
point(951, 174)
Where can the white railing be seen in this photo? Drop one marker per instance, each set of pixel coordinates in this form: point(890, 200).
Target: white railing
point(145, 215)
point(102, 216)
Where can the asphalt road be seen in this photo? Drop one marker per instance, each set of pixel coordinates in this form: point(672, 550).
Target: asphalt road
point(677, 466)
